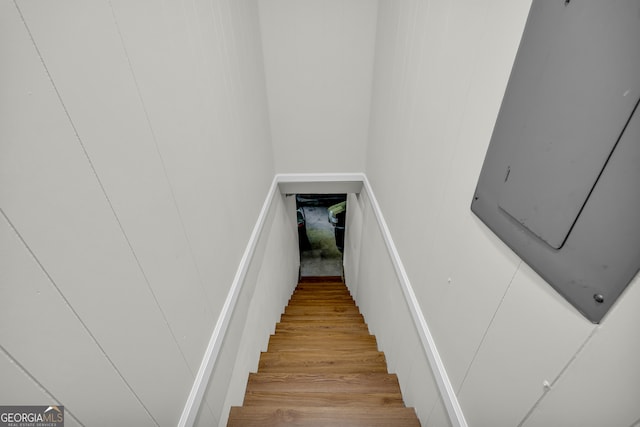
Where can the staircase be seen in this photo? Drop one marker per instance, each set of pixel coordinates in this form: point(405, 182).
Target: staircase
point(322, 368)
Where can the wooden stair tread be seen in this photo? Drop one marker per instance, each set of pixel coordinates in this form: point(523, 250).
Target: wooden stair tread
point(311, 315)
point(321, 287)
point(348, 383)
point(334, 361)
point(318, 328)
point(308, 302)
point(322, 368)
point(304, 301)
point(355, 322)
point(326, 334)
point(322, 311)
point(335, 355)
point(321, 296)
point(331, 342)
point(343, 317)
point(292, 329)
point(321, 279)
point(321, 322)
point(307, 283)
point(321, 290)
point(315, 346)
point(329, 306)
point(335, 399)
point(259, 416)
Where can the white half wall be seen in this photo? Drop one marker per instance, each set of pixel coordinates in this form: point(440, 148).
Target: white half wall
point(318, 57)
point(377, 290)
point(259, 309)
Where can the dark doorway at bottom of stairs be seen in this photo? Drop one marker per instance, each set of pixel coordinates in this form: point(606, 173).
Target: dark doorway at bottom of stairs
point(320, 250)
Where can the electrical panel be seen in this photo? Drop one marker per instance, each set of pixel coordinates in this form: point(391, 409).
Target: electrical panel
point(560, 183)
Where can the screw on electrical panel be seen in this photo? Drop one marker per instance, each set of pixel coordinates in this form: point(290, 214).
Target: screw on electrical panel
point(599, 298)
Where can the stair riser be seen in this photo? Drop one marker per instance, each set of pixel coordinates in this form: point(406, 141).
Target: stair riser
point(354, 344)
point(325, 383)
point(340, 296)
point(325, 306)
point(306, 311)
point(292, 329)
point(321, 303)
point(321, 293)
point(321, 279)
point(321, 362)
point(276, 348)
point(311, 318)
point(324, 399)
point(327, 313)
point(258, 416)
point(327, 336)
point(344, 369)
point(298, 321)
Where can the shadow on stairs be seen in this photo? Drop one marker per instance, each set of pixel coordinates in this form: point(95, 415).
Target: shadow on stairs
point(322, 368)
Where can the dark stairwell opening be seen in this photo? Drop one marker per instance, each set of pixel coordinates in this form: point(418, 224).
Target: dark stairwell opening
point(321, 229)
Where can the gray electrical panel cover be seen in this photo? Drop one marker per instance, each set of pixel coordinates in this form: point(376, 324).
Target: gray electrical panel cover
point(560, 183)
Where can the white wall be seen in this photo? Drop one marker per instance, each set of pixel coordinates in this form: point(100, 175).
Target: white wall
point(372, 280)
point(272, 278)
point(318, 62)
point(441, 69)
point(135, 156)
